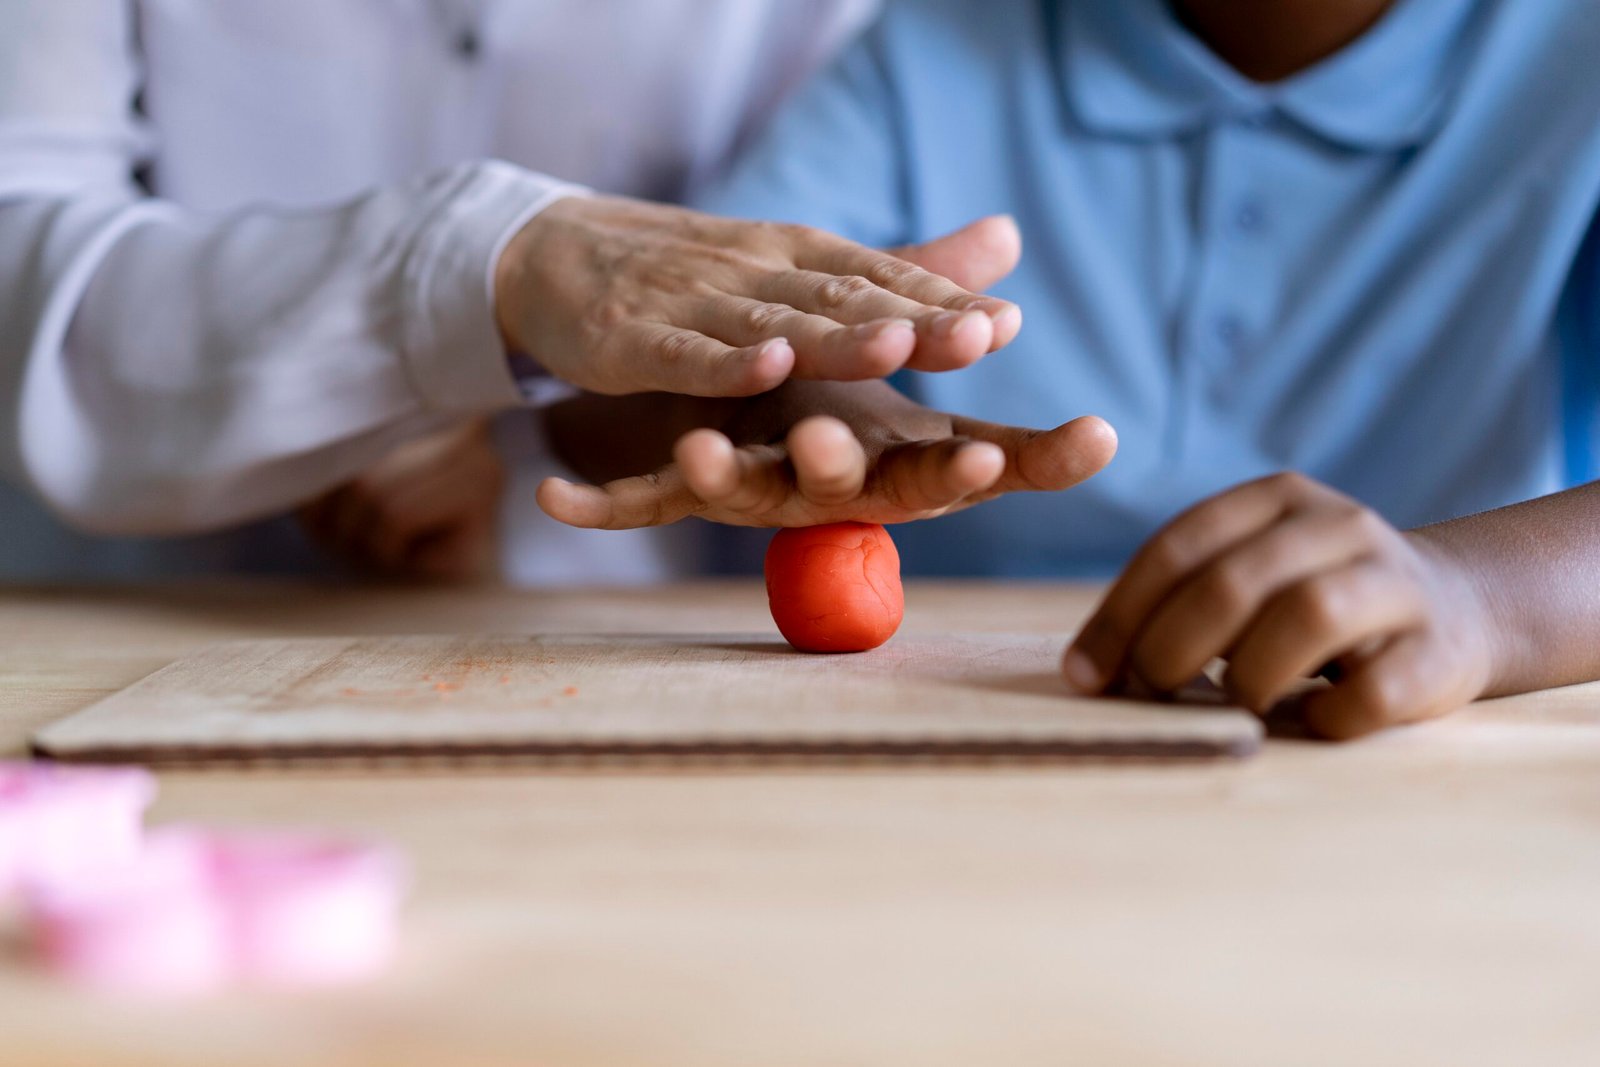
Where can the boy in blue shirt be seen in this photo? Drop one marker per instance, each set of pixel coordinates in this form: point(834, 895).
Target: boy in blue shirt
point(1353, 238)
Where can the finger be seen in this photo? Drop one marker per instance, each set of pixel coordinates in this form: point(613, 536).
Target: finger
point(824, 349)
point(827, 254)
point(750, 480)
point(934, 476)
point(1209, 609)
point(656, 499)
point(829, 463)
point(1046, 460)
point(1315, 622)
point(423, 508)
point(976, 257)
point(664, 358)
point(947, 338)
point(1407, 680)
point(1099, 652)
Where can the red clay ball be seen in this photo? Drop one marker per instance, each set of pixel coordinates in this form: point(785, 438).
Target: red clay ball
point(835, 588)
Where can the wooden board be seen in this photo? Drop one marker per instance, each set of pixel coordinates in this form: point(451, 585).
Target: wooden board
point(577, 697)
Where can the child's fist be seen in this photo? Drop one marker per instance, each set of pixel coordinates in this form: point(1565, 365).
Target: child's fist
point(1284, 579)
point(430, 509)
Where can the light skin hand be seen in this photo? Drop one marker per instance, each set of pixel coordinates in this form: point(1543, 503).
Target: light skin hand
point(428, 510)
point(1284, 578)
point(619, 296)
point(819, 452)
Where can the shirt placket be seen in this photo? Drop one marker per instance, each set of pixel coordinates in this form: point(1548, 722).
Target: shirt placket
point(1231, 294)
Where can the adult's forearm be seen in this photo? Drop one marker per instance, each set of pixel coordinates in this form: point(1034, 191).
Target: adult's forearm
point(1536, 567)
point(165, 372)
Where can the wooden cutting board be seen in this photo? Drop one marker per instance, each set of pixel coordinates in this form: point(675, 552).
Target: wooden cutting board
point(587, 697)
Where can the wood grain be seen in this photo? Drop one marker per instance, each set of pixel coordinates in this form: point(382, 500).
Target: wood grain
point(573, 696)
point(1425, 897)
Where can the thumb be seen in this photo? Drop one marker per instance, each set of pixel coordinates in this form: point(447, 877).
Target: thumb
point(975, 257)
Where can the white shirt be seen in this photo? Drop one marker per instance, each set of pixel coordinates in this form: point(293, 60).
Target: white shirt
point(308, 285)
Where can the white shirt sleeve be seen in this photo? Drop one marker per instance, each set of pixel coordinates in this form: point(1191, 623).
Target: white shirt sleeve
point(164, 371)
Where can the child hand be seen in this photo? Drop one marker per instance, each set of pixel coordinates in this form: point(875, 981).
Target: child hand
point(429, 509)
point(1285, 578)
point(817, 452)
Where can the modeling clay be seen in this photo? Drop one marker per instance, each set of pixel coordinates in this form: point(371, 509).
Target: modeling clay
point(835, 588)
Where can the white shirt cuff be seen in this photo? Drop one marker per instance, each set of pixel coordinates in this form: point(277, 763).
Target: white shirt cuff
point(457, 359)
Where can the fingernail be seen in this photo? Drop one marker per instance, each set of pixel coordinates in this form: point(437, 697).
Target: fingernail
point(767, 347)
point(1080, 671)
point(945, 325)
point(871, 331)
point(1007, 318)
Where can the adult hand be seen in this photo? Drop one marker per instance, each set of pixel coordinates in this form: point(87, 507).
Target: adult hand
point(818, 452)
point(429, 509)
point(1285, 578)
point(620, 296)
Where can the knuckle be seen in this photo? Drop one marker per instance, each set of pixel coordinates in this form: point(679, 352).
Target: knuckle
point(1225, 589)
point(798, 233)
point(676, 347)
point(1315, 606)
point(893, 273)
point(1368, 525)
point(763, 318)
point(1287, 483)
point(838, 292)
point(1169, 553)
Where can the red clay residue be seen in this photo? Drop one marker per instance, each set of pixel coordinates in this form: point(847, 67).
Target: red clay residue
point(570, 691)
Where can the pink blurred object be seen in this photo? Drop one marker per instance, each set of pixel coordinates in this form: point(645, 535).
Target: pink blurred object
point(62, 823)
point(152, 926)
point(201, 909)
point(308, 910)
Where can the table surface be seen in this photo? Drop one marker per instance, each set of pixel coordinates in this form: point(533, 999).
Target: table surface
point(1431, 896)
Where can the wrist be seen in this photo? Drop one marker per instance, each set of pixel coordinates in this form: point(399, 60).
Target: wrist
point(513, 277)
point(1486, 607)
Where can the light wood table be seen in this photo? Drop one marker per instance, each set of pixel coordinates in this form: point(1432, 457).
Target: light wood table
point(1427, 897)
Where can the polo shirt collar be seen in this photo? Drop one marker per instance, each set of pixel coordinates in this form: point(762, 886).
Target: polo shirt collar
point(1132, 69)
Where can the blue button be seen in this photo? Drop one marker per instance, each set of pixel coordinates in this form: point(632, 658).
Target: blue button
point(1250, 216)
point(1230, 331)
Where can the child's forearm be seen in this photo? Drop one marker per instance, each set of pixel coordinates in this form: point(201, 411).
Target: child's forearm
point(1537, 569)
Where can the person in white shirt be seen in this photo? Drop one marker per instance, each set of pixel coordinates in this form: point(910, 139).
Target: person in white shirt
point(248, 250)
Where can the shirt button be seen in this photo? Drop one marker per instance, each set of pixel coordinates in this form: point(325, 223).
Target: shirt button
point(1250, 217)
point(1230, 331)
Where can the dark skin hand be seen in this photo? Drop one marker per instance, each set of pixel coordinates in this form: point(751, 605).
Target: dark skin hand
point(1284, 578)
point(804, 454)
point(1269, 40)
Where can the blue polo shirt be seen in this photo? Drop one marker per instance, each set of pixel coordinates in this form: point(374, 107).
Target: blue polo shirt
point(1384, 272)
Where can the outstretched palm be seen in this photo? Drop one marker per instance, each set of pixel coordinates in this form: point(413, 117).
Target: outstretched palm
point(818, 452)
